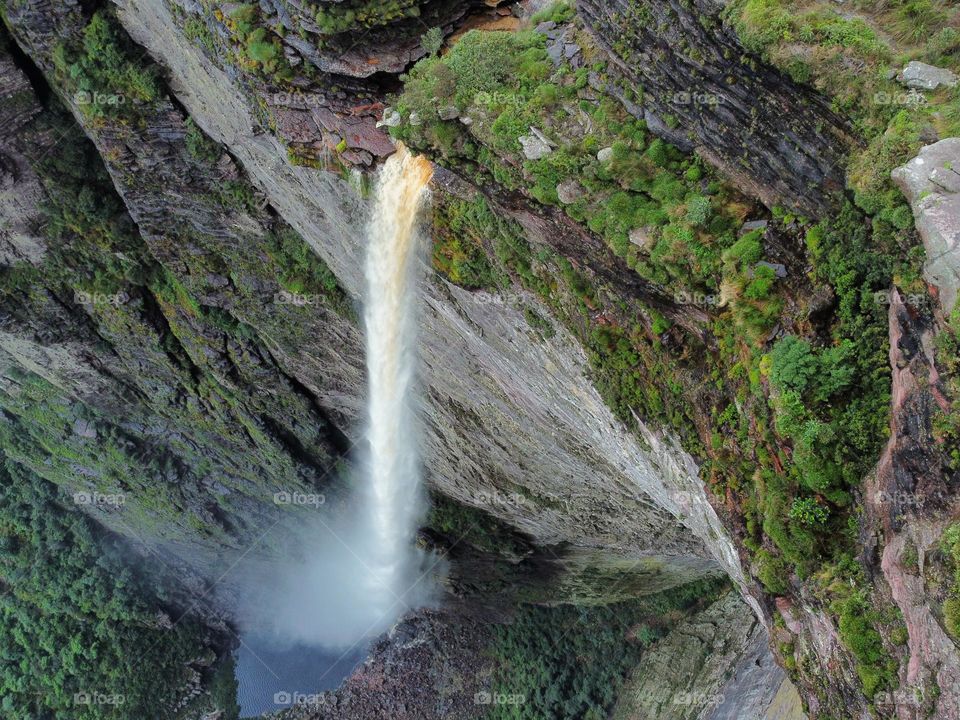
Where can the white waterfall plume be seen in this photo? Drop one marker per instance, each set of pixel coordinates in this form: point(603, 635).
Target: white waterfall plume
point(357, 571)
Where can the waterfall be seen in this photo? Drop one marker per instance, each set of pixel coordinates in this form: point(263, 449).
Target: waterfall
point(392, 464)
point(356, 567)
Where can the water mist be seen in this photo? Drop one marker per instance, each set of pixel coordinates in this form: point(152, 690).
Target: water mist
point(358, 570)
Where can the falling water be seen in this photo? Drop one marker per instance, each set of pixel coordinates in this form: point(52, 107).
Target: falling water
point(357, 569)
point(393, 464)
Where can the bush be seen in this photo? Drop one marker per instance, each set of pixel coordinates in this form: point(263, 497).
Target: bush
point(809, 511)
point(103, 73)
point(698, 210)
point(772, 572)
point(432, 40)
point(861, 638)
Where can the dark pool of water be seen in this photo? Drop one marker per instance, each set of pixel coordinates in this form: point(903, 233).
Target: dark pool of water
point(270, 678)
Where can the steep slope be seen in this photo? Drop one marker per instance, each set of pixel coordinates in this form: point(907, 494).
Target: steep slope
point(675, 321)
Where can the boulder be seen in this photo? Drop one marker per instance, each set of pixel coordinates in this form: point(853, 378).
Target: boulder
point(927, 77)
point(448, 112)
point(391, 118)
point(535, 145)
point(753, 225)
point(932, 185)
point(569, 191)
point(642, 238)
point(779, 269)
point(605, 155)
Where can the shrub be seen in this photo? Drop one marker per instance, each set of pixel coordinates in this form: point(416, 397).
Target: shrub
point(860, 636)
point(772, 572)
point(432, 40)
point(792, 365)
point(103, 70)
point(698, 210)
point(809, 511)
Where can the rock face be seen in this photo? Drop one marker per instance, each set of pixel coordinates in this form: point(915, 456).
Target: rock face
point(931, 182)
point(714, 666)
point(20, 192)
point(910, 501)
point(779, 142)
point(430, 665)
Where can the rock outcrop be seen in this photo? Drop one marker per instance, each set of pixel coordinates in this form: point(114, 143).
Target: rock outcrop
point(911, 500)
point(776, 140)
point(713, 666)
point(931, 182)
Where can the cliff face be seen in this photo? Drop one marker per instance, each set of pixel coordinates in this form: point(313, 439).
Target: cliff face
point(211, 338)
point(484, 438)
point(776, 140)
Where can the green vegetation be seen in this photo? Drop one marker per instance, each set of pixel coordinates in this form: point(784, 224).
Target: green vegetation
point(257, 49)
point(646, 184)
point(78, 621)
point(851, 57)
point(947, 423)
point(354, 14)
point(459, 231)
point(100, 74)
point(463, 523)
point(568, 663)
point(859, 621)
point(796, 420)
point(950, 545)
